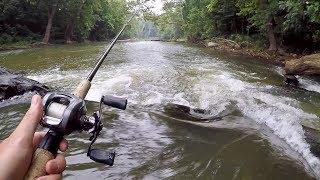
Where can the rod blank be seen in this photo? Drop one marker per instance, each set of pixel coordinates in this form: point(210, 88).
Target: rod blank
point(105, 54)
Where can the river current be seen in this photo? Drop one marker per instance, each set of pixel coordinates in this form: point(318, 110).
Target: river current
point(260, 134)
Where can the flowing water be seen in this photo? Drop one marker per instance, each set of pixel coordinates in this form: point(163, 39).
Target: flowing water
point(259, 134)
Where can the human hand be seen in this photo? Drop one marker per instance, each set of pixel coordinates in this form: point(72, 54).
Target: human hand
point(17, 150)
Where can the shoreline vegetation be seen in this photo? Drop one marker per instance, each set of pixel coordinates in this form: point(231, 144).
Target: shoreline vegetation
point(33, 23)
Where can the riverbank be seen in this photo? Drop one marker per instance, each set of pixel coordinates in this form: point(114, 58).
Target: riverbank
point(15, 46)
point(29, 45)
point(293, 64)
point(230, 46)
point(237, 48)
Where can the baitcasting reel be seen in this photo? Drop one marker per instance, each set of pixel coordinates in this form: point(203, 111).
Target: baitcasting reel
point(66, 113)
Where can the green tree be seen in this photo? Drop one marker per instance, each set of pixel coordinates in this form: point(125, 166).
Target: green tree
point(50, 6)
point(111, 16)
point(170, 23)
point(282, 18)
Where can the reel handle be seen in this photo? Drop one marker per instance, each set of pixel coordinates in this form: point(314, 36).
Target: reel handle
point(46, 151)
point(115, 102)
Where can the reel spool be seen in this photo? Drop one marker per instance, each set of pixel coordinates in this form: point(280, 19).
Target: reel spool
point(63, 113)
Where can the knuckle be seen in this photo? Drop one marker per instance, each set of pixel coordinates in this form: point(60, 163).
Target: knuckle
point(61, 161)
point(64, 145)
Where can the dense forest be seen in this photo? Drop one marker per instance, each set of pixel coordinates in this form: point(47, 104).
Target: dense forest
point(291, 25)
point(27, 21)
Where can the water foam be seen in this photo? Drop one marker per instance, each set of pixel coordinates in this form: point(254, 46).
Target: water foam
point(280, 114)
point(309, 84)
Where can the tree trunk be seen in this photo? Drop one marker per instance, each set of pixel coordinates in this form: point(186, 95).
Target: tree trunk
point(51, 12)
point(263, 5)
point(149, 32)
point(272, 38)
point(69, 32)
point(71, 25)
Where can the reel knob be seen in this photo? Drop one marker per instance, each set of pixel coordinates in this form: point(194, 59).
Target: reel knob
point(115, 102)
point(101, 156)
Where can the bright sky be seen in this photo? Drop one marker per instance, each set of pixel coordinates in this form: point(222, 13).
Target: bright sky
point(157, 6)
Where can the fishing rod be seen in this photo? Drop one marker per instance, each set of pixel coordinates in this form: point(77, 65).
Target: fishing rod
point(65, 113)
point(105, 54)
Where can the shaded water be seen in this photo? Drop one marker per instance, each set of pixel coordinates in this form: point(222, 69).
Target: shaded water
point(260, 136)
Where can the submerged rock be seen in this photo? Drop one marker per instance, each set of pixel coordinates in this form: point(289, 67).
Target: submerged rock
point(313, 138)
point(184, 112)
point(203, 118)
point(306, 65)
point(291, 80)
point(196, 114)
point(12, 84)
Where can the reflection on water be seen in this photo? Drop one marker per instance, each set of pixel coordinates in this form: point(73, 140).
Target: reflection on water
point(261, 137)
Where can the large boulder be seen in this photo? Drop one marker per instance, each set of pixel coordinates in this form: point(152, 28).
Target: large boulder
point(306, 65)
point(12, 84)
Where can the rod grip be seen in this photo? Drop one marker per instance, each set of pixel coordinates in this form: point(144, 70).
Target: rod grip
point(38, 164)
point(82, 89)
point(46, 151)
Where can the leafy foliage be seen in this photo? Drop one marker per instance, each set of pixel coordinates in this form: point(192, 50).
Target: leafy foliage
point(290, 24)
point(73, 20)
point(170, 23)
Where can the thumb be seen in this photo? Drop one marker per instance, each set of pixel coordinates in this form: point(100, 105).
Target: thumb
point(30, 121)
